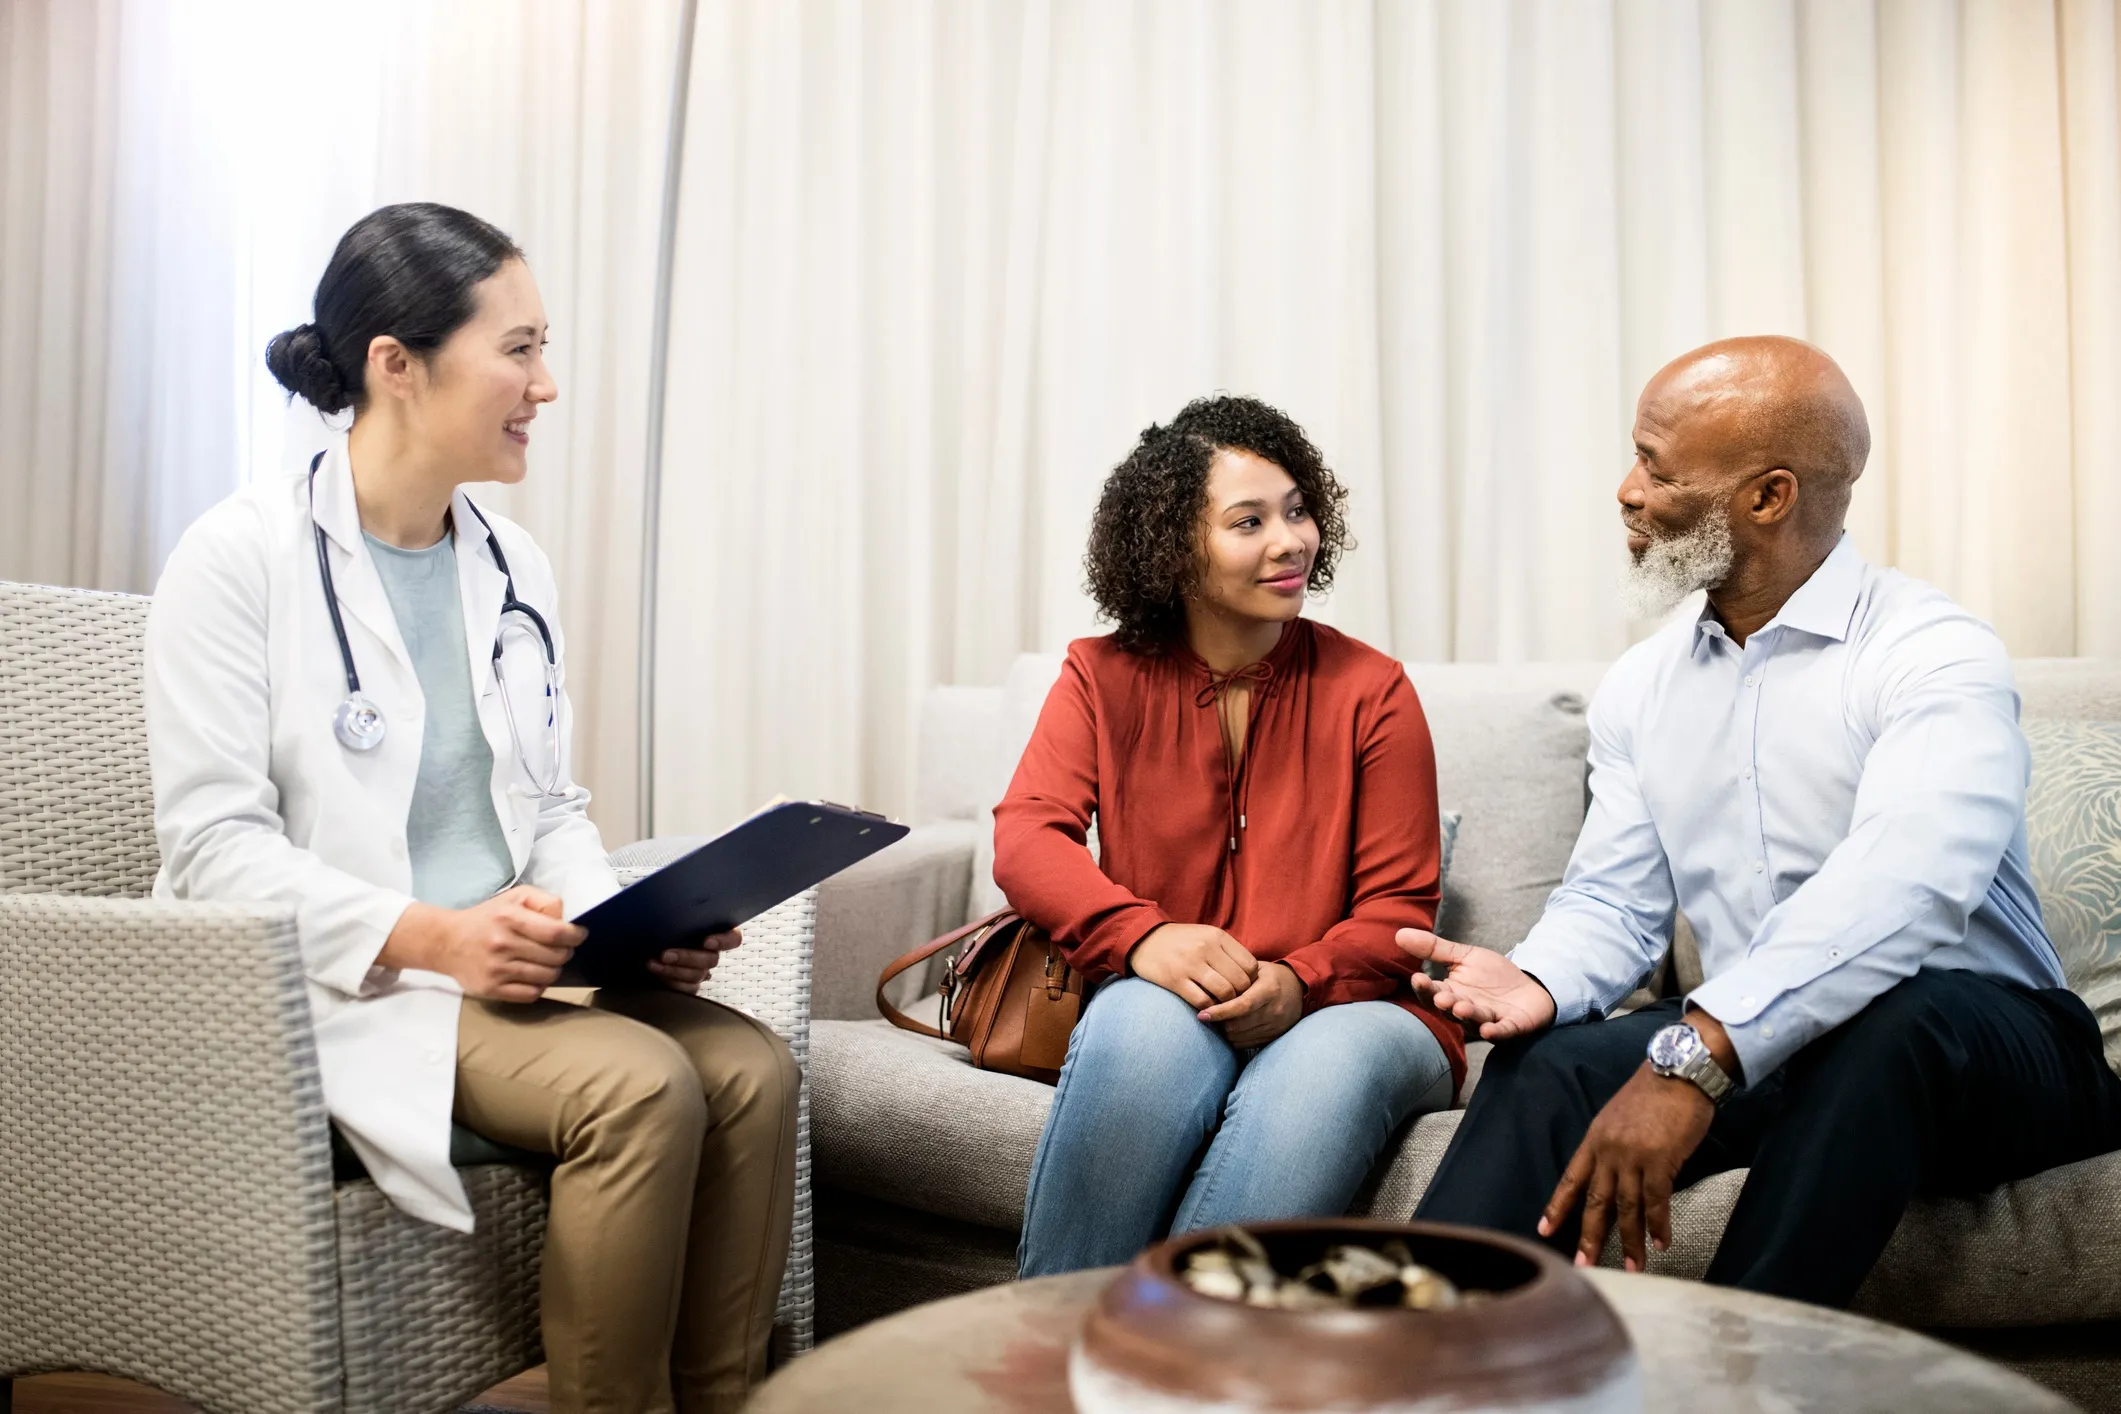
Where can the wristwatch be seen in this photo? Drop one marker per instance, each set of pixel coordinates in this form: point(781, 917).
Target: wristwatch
point(1678, 1051)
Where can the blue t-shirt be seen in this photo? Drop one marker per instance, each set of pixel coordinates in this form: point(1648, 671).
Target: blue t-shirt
point(459, 855)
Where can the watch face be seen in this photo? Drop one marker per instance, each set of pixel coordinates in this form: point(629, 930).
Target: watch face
point(1674, 1046)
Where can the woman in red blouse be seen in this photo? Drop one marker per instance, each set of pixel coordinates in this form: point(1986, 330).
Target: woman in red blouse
point(1264, 794)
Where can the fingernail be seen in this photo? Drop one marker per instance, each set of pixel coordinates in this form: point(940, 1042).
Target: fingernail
point(1582, 1261)
point(1661, 1245)
point(1630, 1265)
point(1546, 1229)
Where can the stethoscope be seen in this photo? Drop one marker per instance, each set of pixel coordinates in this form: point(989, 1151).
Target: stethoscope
point(358, 723)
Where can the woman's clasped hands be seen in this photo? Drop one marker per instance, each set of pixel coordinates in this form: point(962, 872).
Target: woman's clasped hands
point(1253, 1002)
point(511, 947)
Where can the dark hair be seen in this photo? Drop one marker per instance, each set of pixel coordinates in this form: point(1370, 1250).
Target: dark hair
point(407, 271)
point(1145, 551)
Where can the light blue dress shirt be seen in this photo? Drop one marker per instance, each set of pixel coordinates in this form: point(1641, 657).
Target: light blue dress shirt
point(453, 837)
point(1834, 806)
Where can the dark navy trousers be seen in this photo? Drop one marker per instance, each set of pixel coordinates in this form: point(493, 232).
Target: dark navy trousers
point(1948, 1083)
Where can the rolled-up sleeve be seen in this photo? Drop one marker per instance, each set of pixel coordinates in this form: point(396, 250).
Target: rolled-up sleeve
point(1610, 921)
point(1941, 795)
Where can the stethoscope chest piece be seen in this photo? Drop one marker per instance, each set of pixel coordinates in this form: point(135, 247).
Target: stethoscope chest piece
point(358, 724)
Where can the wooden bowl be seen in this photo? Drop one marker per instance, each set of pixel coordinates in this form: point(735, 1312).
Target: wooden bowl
point(1544, 1340)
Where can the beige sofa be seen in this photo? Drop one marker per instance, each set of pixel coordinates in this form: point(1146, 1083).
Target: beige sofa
point(921, 1161)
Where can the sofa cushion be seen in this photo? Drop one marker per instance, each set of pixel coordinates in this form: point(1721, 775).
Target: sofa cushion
point(908, 1120)
point(2068, 689)
point(956, 745)
point(1024, 691)
point(2073, 825)
point(1510, 747)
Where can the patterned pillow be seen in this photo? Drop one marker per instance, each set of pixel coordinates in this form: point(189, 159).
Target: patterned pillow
point(2073, 824)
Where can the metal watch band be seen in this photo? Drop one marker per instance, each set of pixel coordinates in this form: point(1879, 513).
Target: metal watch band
point(1709, 1077)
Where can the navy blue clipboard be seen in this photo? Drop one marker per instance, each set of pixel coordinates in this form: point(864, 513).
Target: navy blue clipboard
point(723, 884)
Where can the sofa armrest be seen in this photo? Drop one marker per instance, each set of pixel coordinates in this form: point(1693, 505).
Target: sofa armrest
point(165, 1184)
point(889, 904)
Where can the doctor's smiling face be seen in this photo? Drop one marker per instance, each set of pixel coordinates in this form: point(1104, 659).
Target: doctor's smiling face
point(469, 404)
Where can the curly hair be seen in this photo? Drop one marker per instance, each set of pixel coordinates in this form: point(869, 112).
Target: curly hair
point(1146, 550)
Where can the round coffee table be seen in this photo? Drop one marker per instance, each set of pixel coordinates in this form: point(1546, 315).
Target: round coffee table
point(1704, 1349)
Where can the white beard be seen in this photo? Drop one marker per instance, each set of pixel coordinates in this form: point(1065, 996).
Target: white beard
point(1675, 566)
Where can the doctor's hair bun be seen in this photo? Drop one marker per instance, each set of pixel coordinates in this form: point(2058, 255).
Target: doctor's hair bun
point(298, 360)
point(408, 272)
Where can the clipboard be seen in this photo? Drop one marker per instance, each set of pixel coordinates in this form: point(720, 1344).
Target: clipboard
point(724, 884)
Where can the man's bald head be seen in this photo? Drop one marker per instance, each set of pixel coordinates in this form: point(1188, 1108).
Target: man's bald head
point(1756, 404)
point(1745, 453)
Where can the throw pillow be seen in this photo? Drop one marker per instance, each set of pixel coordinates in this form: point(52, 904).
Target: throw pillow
point(2073, 825)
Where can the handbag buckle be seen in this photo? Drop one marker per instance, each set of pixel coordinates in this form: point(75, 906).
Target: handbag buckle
point(949, 992)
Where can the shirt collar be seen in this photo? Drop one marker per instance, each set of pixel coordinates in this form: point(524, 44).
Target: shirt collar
point(1823, 605)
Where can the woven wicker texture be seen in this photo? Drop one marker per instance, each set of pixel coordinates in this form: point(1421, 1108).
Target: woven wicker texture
point(768, 978)
point(166, 1203)
point(165, 1184)
point(76, 808)
point(433, 1317)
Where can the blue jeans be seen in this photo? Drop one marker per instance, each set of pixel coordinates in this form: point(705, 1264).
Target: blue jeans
point(1289, 1130)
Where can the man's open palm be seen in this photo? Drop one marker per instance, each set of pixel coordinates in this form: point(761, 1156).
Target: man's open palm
point(1482, 987)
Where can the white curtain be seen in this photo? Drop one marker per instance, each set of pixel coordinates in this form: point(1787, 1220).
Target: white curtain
point(118, 302)
point(174, 178)
point(940, 260)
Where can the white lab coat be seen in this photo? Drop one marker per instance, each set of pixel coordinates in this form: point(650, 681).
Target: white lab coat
point(256, 800)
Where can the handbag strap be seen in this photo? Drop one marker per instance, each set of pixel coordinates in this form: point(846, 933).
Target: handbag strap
point(983, 927)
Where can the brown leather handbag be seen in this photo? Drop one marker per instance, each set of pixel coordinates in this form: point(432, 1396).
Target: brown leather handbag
point(1009, 996)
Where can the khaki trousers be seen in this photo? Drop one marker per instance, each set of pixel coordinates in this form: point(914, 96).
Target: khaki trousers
point(673, 1120)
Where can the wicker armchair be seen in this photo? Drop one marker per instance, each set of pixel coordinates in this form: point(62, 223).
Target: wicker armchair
point(168, 1211)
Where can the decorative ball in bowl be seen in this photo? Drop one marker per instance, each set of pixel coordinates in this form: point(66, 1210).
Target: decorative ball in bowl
point(1347, 1314)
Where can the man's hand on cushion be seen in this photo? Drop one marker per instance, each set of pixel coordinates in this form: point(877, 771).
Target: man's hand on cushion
point(687, 969)
point(1481, 987)
point(1625, 1167)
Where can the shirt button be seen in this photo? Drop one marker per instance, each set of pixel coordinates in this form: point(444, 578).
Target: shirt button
point(1747, 1001)
point(1760, 866)
point(1768, 1032)
point(1833, 952)
point(1751, 678)
point(1746, 774)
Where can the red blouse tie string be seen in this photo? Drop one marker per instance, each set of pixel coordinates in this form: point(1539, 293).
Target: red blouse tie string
point(1212, 695)
point(1220, 683)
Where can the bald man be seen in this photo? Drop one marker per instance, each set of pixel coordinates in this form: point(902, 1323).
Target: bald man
point(1824, 772)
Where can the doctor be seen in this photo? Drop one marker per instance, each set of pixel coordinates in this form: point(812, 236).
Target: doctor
point(356, 708)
